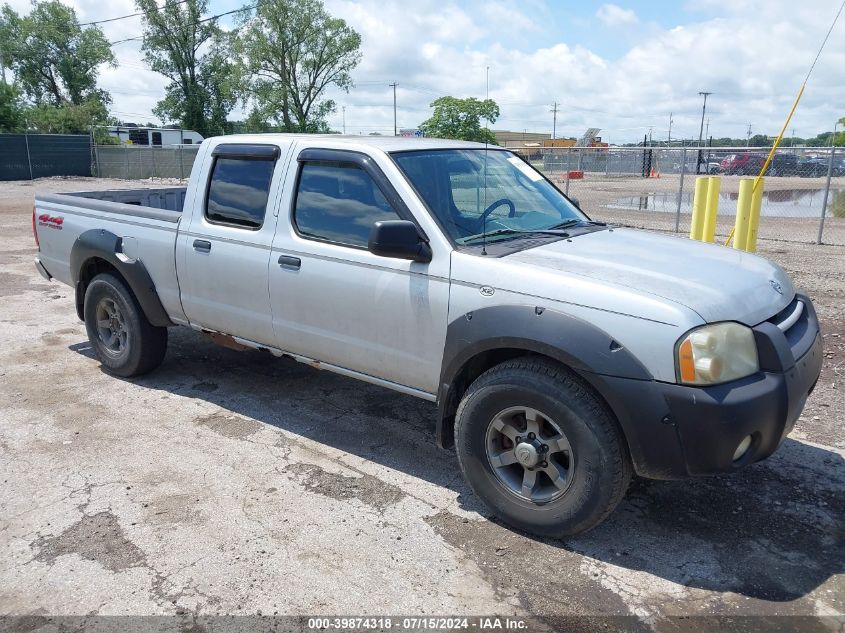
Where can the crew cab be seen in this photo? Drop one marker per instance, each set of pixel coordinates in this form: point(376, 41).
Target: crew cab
point(563, 354)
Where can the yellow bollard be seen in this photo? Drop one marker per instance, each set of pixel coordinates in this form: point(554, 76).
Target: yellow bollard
point(699, 207)
point(714, 184)
point(754, 218)
point(743, 213)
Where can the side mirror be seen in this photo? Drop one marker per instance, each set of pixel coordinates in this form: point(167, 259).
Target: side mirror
point(575, 202)
point(399, 239)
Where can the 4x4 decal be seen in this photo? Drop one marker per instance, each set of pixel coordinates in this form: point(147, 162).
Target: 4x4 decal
point(54, 222)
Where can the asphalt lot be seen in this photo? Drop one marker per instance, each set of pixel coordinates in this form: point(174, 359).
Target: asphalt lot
point(235, 483)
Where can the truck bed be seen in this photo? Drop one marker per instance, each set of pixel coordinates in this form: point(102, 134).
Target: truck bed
point(145, 220)
point(165, 203)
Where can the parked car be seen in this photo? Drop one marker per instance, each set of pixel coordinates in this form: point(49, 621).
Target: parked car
point(563, 354)
point(711, 166)
point(783, 164)
point(817, 167)
point(750, 164)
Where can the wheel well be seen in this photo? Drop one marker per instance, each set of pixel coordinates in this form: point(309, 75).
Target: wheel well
point(90, 269)
point(483, 361)
point(471, 370)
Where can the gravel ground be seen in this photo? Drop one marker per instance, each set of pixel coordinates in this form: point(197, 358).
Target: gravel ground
point(236, 483)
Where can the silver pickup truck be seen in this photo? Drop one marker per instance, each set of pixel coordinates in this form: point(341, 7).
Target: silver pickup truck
point(564, 355)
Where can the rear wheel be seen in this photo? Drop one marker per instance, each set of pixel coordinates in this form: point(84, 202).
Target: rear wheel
point(123, 339)
point(540, 448)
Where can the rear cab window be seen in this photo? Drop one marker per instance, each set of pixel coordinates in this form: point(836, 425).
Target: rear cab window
point(239, 185)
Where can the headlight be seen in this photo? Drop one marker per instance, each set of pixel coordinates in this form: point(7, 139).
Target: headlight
point(717, 353)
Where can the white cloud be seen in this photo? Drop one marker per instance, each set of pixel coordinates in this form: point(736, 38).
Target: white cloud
point(613, 15)
point(661, 72)
point(753, 57)
point(501, 15)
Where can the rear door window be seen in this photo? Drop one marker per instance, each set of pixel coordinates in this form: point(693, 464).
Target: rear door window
point(238, 192)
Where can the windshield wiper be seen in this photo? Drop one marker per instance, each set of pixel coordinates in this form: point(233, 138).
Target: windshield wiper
point(566, 224)
point(556, 230)
point(497, 232)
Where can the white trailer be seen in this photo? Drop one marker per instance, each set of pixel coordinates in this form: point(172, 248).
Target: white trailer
point(154, 136)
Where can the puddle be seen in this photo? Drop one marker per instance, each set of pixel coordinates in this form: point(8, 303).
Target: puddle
point(787, 203)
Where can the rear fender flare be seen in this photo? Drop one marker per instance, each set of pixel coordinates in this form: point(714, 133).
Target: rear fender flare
point(104, 245)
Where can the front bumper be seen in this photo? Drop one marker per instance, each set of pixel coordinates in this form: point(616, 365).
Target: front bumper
point(675, 431)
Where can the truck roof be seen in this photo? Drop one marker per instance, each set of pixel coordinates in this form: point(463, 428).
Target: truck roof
point(384, 143)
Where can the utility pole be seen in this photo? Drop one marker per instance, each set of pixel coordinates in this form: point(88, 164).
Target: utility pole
point(554, 120)
point(701, 130)
point(344, 118)
point(669, 141)
point(707, 128)
point(395, 129)
point(748, 136)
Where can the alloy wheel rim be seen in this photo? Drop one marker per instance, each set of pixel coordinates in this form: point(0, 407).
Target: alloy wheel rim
point(529, 454)
point(111, 328)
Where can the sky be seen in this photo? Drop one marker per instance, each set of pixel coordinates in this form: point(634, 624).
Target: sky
point(622, 67)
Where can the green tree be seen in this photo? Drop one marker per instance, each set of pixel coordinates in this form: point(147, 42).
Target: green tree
point(195, 57)
point(461, 119)
point(839, 139)
point(12, 110)
point(293, 50)
point(67, 118)
point(55, 61)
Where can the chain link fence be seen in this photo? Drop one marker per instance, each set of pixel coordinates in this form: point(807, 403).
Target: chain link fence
point(803, 198)
point(803, 195)
point(134, 162)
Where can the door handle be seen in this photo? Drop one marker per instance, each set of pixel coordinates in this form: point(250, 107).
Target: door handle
point(286, 261)
point(203, 246)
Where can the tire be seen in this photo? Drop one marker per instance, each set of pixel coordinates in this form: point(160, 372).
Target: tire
point(597, 466)
point(125, 342)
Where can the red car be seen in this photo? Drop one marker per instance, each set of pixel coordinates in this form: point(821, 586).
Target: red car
point(750, 164)
point(743, 164)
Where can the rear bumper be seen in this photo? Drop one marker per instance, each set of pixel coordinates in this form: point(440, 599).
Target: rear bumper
point(41, 270)
point(675, 431)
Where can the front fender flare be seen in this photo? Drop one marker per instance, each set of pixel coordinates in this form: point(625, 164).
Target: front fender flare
point(584, 348)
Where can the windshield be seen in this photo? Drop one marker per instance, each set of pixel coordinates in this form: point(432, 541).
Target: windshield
point(473, 191)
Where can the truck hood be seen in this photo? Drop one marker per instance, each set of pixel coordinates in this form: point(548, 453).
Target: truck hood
point(718, 283)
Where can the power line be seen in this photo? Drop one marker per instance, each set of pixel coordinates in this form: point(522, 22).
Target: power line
point(821, 48)
point(130, 15)
point(208, 19)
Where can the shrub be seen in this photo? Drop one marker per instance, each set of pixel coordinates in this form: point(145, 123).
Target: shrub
point(837, 204)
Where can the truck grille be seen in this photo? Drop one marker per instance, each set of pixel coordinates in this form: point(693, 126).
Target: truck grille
point(789, 316)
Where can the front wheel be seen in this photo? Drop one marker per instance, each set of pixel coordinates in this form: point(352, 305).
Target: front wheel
point(125, 342)
point(540, 448)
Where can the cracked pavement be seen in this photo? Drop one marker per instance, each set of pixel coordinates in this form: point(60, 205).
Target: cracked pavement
point(236, 483)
